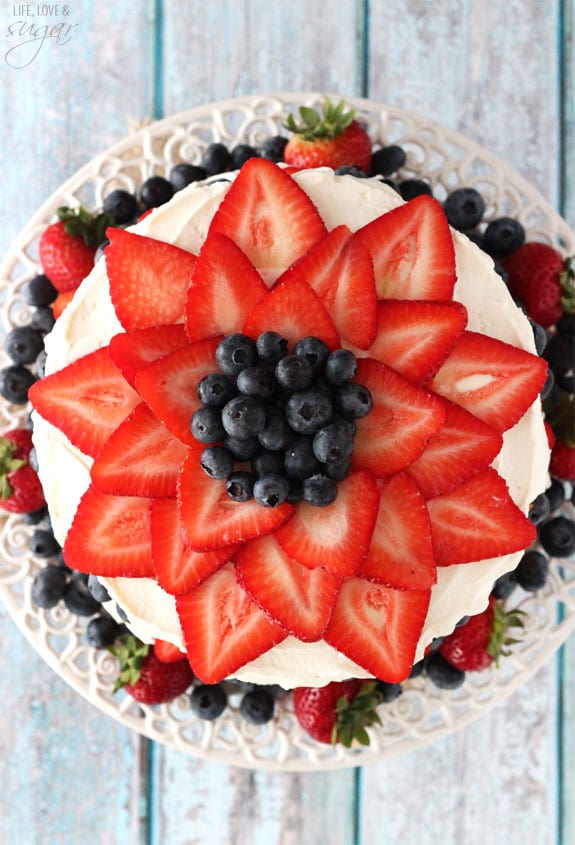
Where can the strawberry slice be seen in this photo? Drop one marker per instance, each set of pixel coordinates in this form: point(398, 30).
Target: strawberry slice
point(167, 652)
point(140, 458)
point(269, 217)
point(476, 521)
point(110, 536)
point(223, 290)
point(335, 537)
point(378, 627)
point(415, 337)
point(87, 400)
point(169, 385)
point(401, 553)
point(223, 627)
point(211, 520)
point(493, 380)
point(148, 279)
point(463, 446)
point(293, 310)
point(401, 422)
point(412, 251)
point(177, 568)
point(298, 598)
point(340, 271)
point(131, 351)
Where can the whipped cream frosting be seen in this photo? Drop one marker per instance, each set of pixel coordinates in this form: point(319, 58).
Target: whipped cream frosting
point(89, 322)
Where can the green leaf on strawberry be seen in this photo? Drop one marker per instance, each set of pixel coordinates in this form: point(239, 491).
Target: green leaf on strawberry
point(79, 223)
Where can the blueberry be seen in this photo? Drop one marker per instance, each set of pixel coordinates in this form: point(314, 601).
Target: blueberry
point(266, 461)
point(40, 364)
point(555, 494)
point(257, 706)
point(319, 490)
point(43, 319)
point(559, 354)
point(235, 352)
point(156, 191)
point(503, 236)
point(539, 509)
point(442, 673)
point(241, 154)
point(294, 372)
point(49, 586)
point(40, 291)
point(388, 160)
point(271, 489)
point(411, 188)
point(566, 324)
point(242, 448)
point(276, 434)
point(295, 491)
point(417, 669)
point(333, 444)
point(34, 517)
point(244, 416)
point(216, 159)
point(308, 410)
point(217, 462)
point(23, 344)
point(15, 382)
point(271, 347)
point(340, 367)
point(102, 631)
point(314, 350)
point(215, 390)
point(338, 470)
point(273, 148)
point(557, 536)
point(97, 589)
point(79, 600)
point(548, 386)
point(240, 486)
point(299, 458)
point(539, 336)
point(208, 701)
point(351, 170)
point(43, 544)
point(464, 208)
point(388, 691)
point(182, 175)
point(353, 400)
point(504, 585)
point(256, 381)
point(122, 205)
point(532, 571)
point(101, 249)
point(206, 424)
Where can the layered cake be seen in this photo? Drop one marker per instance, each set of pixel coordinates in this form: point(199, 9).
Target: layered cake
point(221, 526)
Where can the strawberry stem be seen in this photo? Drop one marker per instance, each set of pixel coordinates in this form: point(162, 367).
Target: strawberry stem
point(503, 621)
point(79, 223)
point(353, 717)
point(567, 279)
point(8, 464)
point(331, 123)
point(131, 653)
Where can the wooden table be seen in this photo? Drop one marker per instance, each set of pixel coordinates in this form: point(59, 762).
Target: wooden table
point(502, 73)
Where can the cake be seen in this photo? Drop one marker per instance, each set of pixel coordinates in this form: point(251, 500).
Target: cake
point(450, 365)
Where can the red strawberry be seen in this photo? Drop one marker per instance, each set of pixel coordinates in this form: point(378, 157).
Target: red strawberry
point(140, 458)
point(331, 139)
point(61, 301)
point(224, 288)
point(87, 400)
point(562, 463)
point(482, 639)
point(293, 310)
point(412, 251)
point(20, 488)
point(223, 627)
point(168, 652)
point(463, 446)
point(67, 248)
point(269, 217)
point(560, 414)
point(177, 568)
point(491, 379)
point(132, 351)
point(339, 269)
point(145, 676)
point(336, 537)
point(169, 385)
point(339, 712)
point(110, 536)
point(477, 520)
point(401, 553)
point(298, 598)
point(416, 337)
point(543, 280)
point(402, 420)
point(377, 627)
point(148, 279)
point(211, 520)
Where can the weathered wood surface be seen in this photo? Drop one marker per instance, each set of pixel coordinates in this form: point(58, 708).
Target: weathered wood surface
point(502, 73)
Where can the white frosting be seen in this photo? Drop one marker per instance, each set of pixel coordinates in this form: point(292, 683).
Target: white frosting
point(89, 322)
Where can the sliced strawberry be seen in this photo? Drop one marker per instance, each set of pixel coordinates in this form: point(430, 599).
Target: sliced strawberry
point(169, 385)
point(300, 599)
point(131, 351)
point(340, 271)
point(111, 536)
point(167, 652)
point(223, 627)
point(378, 627)
point(140, 458)
point(87, 400)
point(415, 337)
point(476, 521)
point(401, 553)
point(412, 251)
point(293, 310)
point(177, 568)
point(148, 279)
point(211, 520)
point(401, 422)
point(463, 446)
point(335, 537)
point(493, 380)
point(224, 288)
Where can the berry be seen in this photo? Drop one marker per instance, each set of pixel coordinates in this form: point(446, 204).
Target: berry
point(242, 153)
point(319, 490)
point(235, 352)
point(388, 692)
point(464, 208)
point(182, 175)
point(240, 486)
point(43, 319)
point(257, 706)
point(271, 347)
point(102, 631)
point(40, 291)
point(266, 461)
point(353, 400)
point(243, 417)
point(338, 712)
point(97, 589)
point(156, 191)
point(557, 536)
point(15, 382)
point(504, 585)
point(43, 544)
point(539, 336)
point(313, 350)
point(542, 280)
point(23, 344)
point(503, 236)
point(216, 159)
point(409, 189)
point(539, 509)
point(333, 444)
point(206, 424)
point(532, 571)
point(122, 206)
point(256, 381)
point(48, 586)
point(78, 598)
point(555, 494)
point(308, 410)
point(294, 372)
point(273, 148)
point(388, 160)
point(208, 701)
point(340, 367)
point(67, 248)
point(271, 490)
point(216, 462)
point(242, 448)
point(562, 463)
point(442, 673)
point(20, 488)
point(144, 677)
point(299, 458)
point(275, 435)
point(216, 390)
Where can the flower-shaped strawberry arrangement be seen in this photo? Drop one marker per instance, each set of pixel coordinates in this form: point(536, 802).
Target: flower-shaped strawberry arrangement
point(419, 492)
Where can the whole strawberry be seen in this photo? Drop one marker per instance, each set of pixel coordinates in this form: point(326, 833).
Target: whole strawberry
point(482, 639)
point(20, 488)
point(543, 280)
point(338, 712)
point(560, 413)
point(562, 463)
point(331, 139)
point(144, 677)
point(67, 248)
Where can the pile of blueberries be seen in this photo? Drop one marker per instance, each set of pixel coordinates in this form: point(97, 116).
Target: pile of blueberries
point(287, 419)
